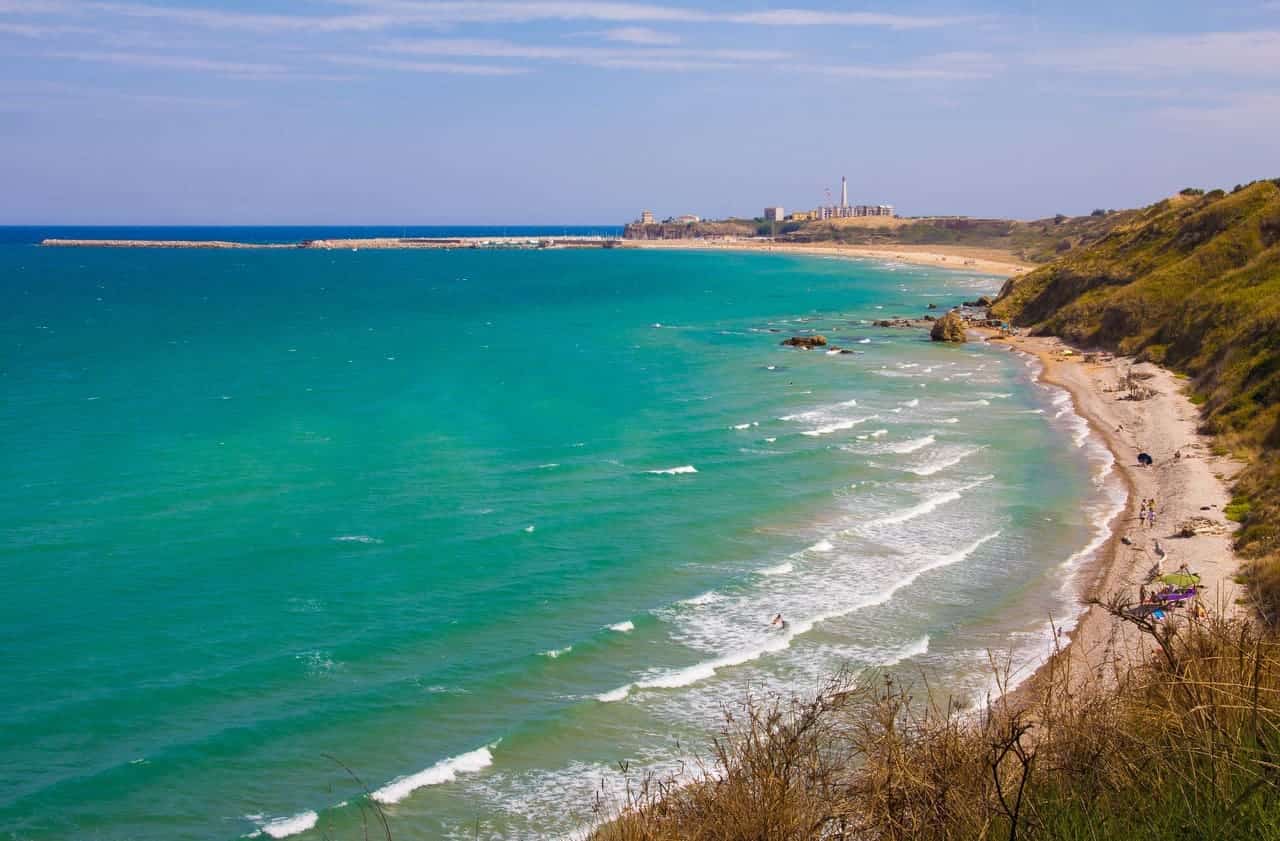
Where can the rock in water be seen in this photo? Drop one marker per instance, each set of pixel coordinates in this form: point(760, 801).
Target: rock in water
point(806, 341)
point(949, 328)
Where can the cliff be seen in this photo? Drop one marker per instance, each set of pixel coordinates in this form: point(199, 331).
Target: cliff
point(1193, 283)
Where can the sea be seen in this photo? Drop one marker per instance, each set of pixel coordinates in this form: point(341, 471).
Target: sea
point(476, 539)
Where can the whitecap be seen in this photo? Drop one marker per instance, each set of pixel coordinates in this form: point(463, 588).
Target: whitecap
point(822, 546)
point(880, 433)
point(284, 827)
point(864, 341)
point(674, 471)
point(709, 597)
point(529, 529)
point(780, 569)
point(905, 447)
point(356, 538)
point(553, 653)
point(623, 627)
point(838, 426)
point(938, 465)
point(949, 420)
point(927, 505)
point(912, 403)
point(444, 771)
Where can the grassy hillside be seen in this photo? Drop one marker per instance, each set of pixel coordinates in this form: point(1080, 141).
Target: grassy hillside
point(1193, 283)
point(1039, 241)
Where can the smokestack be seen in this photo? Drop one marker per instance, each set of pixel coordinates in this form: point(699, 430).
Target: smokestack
point(844, 192)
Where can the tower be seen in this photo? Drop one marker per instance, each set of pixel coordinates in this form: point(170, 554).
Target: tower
point(844, 192)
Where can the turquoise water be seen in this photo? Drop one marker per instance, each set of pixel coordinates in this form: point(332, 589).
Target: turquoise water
point(482, 525)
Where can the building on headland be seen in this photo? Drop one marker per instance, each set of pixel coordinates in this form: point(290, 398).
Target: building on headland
point(774, 214)
point(646, 217)
point(802, 216)
point(844, 210)
point(685, 219)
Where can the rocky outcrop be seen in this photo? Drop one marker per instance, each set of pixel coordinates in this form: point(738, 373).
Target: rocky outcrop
point(806, 342)
point(905, 322)
point(981, 303)
point(949, 328)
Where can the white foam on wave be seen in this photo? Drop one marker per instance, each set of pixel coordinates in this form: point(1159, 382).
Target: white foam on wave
point(927, 505)
point(444, 771)
point(780, 569)
point(838, 426)
point(781, 639)
point(284, 827)
point(623, 627)
point(912, 403)
point(879, 433)
point(914, 445)
point(822, 546)
point(744, 425)
point(553, 653)
point(709, 597)
point(939, 464)
point(674, 471)
point(1030, 412)
point(357, 538)
point(864, 341)
point(949, 420)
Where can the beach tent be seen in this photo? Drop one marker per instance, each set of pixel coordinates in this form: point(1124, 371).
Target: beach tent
point(1180, 579)
point(1145, 459)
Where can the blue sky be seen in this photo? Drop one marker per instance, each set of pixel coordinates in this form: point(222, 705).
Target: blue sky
point(578, 111)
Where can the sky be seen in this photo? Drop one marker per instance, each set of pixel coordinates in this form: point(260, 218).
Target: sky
point(585, 111)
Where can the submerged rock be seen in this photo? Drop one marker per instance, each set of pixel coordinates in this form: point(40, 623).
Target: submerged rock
point(949, 328)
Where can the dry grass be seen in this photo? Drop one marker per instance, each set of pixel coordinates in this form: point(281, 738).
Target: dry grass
point(1184, 744)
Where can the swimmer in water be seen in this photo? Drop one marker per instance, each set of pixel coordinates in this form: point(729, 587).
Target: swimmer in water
point(778, 622)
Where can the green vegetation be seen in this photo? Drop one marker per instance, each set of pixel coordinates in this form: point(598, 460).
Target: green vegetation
point(1038, 242)
point(1193, 283)
point(1239, 509)
point(1181, 745)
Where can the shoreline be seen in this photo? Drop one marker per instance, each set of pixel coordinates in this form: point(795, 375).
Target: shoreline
point(959, 258)
point(1193, 485)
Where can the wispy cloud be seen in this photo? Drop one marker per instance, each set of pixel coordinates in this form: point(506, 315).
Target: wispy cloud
point(1230, 53)
point(367, 15)
point(640, 35)
point(956, 66)
point(425, 66)
point(237, 69)
point(607, 57)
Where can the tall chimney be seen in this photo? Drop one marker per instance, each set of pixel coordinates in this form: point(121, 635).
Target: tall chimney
point(844, 192)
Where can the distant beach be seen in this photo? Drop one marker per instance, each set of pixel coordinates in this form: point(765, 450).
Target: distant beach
point(989, 261)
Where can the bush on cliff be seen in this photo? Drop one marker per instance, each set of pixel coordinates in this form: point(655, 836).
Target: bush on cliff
point(1180, 745)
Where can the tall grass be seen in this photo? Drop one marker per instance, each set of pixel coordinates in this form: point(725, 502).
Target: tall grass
point(1183, 743)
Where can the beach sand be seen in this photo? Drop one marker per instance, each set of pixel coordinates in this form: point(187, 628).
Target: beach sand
point(1193, 486)
point(990, 261)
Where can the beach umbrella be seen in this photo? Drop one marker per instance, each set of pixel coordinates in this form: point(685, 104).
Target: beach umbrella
point(1145, 459)
point(1181, 579)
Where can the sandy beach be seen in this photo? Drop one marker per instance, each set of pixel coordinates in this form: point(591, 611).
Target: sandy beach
point(1187, 481)
point(981, 260)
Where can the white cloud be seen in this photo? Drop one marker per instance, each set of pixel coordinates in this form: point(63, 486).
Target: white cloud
point(425, 66)
point(956, 66)
point(388, 14)
point(600, 56)
point(640, 35)
point(1246, 113)
point(175, 62)
point(1228, 53)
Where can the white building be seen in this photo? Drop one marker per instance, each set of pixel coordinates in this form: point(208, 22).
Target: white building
point(774, 214)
